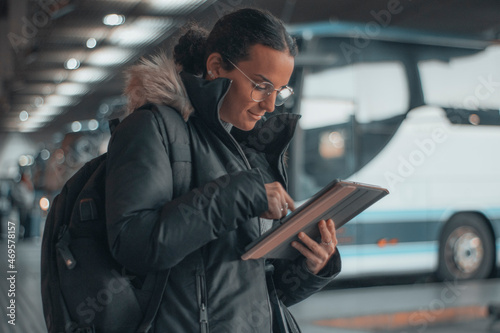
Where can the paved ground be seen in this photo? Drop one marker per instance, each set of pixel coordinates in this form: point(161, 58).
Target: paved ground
point(28, 301)
point(430, 307)
point(412, 308)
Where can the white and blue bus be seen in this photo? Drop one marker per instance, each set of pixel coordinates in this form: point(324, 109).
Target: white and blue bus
point(414, 112)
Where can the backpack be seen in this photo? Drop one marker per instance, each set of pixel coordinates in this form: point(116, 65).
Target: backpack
point(84, 290)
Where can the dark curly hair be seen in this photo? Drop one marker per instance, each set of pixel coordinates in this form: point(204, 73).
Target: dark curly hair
point(232, 36)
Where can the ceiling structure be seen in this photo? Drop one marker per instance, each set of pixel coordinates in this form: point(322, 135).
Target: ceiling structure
point(60, 63)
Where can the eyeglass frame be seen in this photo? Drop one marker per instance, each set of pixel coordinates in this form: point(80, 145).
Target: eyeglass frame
point(258, 85)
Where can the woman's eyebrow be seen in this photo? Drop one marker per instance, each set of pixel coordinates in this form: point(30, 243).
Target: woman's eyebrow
point(265, 78)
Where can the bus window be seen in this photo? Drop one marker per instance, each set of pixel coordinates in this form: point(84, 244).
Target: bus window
point(346, 112)
point(471, 82)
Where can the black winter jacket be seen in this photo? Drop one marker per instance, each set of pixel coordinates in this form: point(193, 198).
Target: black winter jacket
point(201, 235)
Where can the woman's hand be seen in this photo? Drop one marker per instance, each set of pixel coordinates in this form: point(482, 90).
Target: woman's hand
point(279, 201)
point(318, 254)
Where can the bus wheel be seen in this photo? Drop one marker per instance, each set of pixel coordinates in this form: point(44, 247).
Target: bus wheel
point(466, 249)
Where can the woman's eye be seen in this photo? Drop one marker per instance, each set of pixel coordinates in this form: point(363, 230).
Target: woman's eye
point(261, 87)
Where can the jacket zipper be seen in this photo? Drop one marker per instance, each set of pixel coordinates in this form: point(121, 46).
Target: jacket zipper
point(237, 145)
point(282, 172)
point(269, 305)
point(202, 302)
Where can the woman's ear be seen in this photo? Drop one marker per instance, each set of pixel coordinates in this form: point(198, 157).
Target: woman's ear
point(214, 66)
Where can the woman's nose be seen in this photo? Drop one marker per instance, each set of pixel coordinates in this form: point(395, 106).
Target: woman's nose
point(269, 103)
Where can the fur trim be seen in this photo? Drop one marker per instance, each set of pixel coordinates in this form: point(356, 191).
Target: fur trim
point(157, 81)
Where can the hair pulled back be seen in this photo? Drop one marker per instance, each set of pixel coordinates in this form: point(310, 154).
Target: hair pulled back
point(232, 36)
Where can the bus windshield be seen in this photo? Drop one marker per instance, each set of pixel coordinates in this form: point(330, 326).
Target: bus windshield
point(470, 82)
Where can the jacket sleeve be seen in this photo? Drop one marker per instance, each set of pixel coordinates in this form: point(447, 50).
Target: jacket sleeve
point(147, 228)
point(294, 282)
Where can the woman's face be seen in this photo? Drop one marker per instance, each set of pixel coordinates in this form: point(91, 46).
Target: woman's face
point(265, 64)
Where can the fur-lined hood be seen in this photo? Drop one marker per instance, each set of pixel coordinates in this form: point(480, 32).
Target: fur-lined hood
point(157, 81)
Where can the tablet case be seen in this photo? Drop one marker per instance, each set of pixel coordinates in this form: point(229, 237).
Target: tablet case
point(339, 200)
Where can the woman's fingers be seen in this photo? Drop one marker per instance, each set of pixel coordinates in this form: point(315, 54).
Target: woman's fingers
point(289, 201)
point(328, 234)
point(314, 247)
point(333, 232)
point(306, 252)
point(279, 201)
point(318, 254)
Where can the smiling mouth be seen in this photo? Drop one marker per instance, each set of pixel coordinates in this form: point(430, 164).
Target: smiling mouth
point(255, 114)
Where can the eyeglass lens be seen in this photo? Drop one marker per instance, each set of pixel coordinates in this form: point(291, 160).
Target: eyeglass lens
point(261, 91)
point(283, 95)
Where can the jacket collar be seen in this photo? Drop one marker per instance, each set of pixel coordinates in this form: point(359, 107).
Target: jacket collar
point(270, 135)
point(206, 96)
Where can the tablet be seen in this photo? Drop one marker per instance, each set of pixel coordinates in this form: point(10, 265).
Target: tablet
point(340, 200)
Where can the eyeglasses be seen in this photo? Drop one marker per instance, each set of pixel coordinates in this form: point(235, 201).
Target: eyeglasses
point(263, 90)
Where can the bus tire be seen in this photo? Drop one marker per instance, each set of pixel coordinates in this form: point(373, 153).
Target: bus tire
point(466, 248)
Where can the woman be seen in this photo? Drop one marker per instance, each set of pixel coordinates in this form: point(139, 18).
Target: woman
point(229, 80)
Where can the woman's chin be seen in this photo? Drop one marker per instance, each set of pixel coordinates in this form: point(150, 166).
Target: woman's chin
point(246, 126)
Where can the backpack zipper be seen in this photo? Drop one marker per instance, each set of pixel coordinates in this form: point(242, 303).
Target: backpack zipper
point(202, 302)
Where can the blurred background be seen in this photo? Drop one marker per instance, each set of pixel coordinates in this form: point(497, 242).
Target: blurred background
point(400, 93)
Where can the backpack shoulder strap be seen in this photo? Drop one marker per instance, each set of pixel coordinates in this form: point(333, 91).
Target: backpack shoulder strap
point(175, 136)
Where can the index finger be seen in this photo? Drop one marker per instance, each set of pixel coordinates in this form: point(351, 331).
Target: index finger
point(289, 201)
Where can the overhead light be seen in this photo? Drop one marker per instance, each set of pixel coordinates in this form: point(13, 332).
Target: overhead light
point(28, 130)
point(113, 19)
point(88, 75)
point(23, 115)
point(76, 126)
point(104, 108)
point(38, 101)
point(71, 89)
point(143, 30)
point(109, 56)
point(46, 75)
point(40, 118)
point(58, 100)
point(44, 154)
point(31, 127)
point(61, 76)
point(48, 111)
point(34, 89)
point(26, 160)
point(71, 64)
point(44, 204)
point(174, 6)
point(48, 89)
point(91, 43)
point(93, 124)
